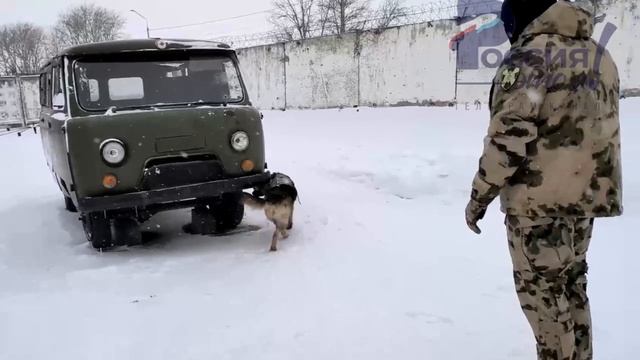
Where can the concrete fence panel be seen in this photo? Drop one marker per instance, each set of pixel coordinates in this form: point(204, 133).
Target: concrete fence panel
point(322, 72)
point(19, 100)
point(408, 65)
point(429, 63)
point(30, 86)
point(11, 112)
point(263, 70)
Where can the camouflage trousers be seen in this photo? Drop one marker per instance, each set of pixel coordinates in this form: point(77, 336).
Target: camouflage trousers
point(550, 271)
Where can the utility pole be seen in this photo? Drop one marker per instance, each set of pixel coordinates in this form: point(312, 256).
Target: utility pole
point(145, 20)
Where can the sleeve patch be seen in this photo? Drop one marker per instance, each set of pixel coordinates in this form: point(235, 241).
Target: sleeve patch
point(509, 78)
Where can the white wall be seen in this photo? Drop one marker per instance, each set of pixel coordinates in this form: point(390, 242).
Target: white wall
point(624, 46)
point(400, 66)
point(31, 97)
point(407, 65)
point(404, 65)
point(263, 72)
point(322, 73)
point(12, 111)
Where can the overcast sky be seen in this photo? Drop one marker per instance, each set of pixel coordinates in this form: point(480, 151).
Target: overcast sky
point(174, 12)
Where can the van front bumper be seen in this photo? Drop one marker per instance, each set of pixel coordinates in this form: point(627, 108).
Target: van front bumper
point(149, 198)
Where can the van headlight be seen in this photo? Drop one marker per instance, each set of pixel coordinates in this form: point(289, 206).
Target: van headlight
point(113, 151)
point(240, 141)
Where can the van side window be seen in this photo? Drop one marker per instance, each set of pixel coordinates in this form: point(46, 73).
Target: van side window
point(43, 89)
point(233, 80)
point(58, 98)
point(94, 90)
point(47, 91)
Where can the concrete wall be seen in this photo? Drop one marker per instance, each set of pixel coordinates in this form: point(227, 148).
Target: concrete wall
point(31, 97)
point(410, 65)
point(624, 45)
point(399, 66)
point(16, 107)
point(322, 73)
point(263, 72)
point(391, 68)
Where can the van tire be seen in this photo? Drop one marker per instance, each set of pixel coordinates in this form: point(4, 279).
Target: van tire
point(228, 212)
point(97, 228)
point(202, 221)
point(69, 205)
point(218, 215)
point(126, 231)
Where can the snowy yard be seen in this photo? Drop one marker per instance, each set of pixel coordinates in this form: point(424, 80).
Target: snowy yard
point(380, 264)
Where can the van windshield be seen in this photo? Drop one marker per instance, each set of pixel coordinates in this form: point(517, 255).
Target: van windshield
point(156, 80)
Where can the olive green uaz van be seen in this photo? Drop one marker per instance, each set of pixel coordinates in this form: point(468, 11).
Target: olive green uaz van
point(134, 127)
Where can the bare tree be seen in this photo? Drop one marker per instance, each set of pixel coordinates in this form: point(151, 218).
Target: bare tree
point(87, 23)
point(345, 15)
point(322, 23)
point(293, 18)
point(22, 49)
point(389, 12)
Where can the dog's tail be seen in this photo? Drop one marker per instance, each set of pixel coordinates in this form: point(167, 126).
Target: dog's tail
point(253, 201)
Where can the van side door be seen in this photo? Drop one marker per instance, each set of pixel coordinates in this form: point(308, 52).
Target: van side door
point(58, 127)
point(46, 112)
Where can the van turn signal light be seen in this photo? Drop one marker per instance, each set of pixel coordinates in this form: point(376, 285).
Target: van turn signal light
point(110, 181)
point(247, 166)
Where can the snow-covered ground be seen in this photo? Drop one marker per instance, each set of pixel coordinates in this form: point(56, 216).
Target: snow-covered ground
point(380, 264)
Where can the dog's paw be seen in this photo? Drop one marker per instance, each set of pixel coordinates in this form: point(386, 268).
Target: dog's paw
point(273, 249)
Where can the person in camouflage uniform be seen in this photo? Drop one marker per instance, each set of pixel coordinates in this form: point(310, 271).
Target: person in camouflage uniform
point(552, 154)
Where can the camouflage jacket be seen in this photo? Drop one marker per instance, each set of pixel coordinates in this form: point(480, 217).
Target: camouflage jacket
point(553, 145)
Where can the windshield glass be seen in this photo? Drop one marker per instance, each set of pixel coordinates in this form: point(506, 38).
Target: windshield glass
point(166, 80)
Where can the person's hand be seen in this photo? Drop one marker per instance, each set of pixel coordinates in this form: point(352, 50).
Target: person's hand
point(474, 213)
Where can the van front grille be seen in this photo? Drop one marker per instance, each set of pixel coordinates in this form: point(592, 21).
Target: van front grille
point(162, 176)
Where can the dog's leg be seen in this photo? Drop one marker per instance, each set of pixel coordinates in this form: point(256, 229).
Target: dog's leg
point(290, 225)
point(274, 240)
point(284, 232)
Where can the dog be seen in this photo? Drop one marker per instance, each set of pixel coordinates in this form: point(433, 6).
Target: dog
point(278, 204)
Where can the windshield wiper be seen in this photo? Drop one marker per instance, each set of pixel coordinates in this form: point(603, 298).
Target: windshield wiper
point(115, 109)
point(206, 103)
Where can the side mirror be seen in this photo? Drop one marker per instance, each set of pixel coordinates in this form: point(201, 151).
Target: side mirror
point(58, 101)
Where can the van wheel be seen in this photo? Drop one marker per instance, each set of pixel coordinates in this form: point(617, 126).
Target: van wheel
point(97, 228)
point(126, 231)
point(68, 204)
point(228, 211)
point(218, 215)
point(202, 221)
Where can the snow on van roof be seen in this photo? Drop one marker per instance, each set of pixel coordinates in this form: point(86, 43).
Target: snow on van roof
point(154, 44)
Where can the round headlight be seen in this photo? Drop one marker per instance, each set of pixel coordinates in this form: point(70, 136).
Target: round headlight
point(240, 141)
point(113, 151)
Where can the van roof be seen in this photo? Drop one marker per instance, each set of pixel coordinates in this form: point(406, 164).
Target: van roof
point(153, 44)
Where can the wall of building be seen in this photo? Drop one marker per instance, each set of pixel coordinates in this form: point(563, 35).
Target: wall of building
point(411, 65)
